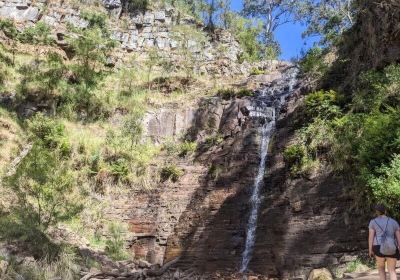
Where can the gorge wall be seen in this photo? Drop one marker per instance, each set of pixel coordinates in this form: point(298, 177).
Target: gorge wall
point(304, 223)
point(372, 43)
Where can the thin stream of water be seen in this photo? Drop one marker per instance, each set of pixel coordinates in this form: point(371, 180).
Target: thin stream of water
point(266, 107)
point(255, 200)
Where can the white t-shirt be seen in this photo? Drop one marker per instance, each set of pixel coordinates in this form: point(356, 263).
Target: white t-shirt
point(379, 224)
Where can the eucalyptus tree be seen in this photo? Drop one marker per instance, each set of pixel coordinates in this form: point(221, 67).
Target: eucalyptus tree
point(273, 13)
point(326, 18)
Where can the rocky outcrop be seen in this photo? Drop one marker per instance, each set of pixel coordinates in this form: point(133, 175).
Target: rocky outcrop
point(137, 32)
point(372, 43)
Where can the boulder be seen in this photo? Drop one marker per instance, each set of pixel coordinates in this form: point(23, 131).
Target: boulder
point(112, 4)
point(3, 267)
point(320, 274)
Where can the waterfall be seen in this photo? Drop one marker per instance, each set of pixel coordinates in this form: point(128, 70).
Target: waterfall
point(255, 197)
point(267, 105)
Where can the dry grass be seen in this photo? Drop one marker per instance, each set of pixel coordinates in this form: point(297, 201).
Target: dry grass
point(11, 139)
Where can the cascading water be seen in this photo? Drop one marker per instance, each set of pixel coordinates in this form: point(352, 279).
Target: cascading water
point(266, 105)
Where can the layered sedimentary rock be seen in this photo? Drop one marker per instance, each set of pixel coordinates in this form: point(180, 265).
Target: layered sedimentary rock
point(137, 31)
point(303, 223)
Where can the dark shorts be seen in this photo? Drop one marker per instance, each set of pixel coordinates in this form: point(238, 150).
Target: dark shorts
point(377, 253)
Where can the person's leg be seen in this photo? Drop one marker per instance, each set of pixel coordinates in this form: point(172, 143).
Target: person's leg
point(380, 264)
point(391, 264)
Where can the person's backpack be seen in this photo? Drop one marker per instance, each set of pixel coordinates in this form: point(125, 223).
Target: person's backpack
point(388, 244)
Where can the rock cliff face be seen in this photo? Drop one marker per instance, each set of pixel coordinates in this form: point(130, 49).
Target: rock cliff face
point(137, 31)
point(372, 43)
point(304, 223)
point(160, 219)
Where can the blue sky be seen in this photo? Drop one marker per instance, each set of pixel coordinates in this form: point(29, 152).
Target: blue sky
point(289, 36)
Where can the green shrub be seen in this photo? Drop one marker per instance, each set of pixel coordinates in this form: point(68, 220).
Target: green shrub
point(230, 93)
point(312, 65)
point(385, 185)
point(294, 155)
point(139, 5)
point(359, 265)
point(256, 71)
point(95, 19)
point(215, 170)
point(42, 79)
point(322, 104)
point(213, 140)
point(115, 247)
point(18, 226)
point(171, 172)
point(50, 132)
point(44, 186)
point(187, 148)
point(132, 127)
point(8, 27)
point(226, 94)
point(39, 34)
point(120, 168)
point(63, 267)
point(244, 93)
point(247, 34)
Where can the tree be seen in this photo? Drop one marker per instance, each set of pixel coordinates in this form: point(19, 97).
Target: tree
point(273, 13)
point(188, 39)
point(41, 80)
point(132, 128)
point(91, 48)
point(153, 59)
point(247, 33)
point(326, 18)
point(43, 184)
point(226, 12)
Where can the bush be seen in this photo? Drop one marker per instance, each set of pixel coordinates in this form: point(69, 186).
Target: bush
point(294, 155)
point(95, 19)
point(140, 5)
point(172, 173)
point(215, 171)
point(115, 247)
point(256, 71)
point(50, 132)
point(8, 27)
point(385, 185)
point(44, 187)
point(120, 168)
point(312, 65)
point(64, 266)
point(228, 94)
point(322, 104)
point(247, 34)
point(244, 93)
point(39, 34)
point(213, 140)
point(187, 148)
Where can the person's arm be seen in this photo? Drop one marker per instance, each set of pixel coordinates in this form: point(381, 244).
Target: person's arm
point(398, 239)
point(371, 236)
